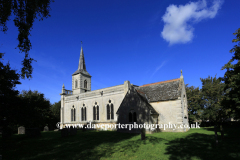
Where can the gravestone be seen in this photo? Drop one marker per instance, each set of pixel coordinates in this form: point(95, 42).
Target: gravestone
point(64, 132)
point(45, 129)
point(21, 130)
point(32, 132)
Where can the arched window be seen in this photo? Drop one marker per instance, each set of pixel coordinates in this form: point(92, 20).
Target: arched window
point(76, 84)
point(134, 117)
point(84, 113)
point(73, 114)
point(85, 84)
point(110, 111)
point(130, 116)
point(96, 112)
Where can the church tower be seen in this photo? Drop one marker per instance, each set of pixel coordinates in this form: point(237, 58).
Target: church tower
point(81, 79)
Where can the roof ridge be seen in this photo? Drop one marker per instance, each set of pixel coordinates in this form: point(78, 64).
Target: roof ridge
point(172, 80)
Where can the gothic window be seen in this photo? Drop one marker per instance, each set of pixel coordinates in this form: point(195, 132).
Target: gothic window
point(95, 112)
point(85, 84)
point(84, 113)
point(76, 84)
point(110, 111)
point(73, 114)
point(130, 116)
point(134, 117)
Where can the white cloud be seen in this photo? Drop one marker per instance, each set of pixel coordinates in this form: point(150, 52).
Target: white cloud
point(177, 19)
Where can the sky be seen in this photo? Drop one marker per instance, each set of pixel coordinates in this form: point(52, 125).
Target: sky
point(136, 40)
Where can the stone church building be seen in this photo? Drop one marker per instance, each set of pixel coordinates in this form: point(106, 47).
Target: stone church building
point(156, 103)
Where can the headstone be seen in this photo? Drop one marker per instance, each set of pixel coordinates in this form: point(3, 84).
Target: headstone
point(21, 130)
point(64, 132)
point(32, 132)
point(56, 130)
point(45, 129)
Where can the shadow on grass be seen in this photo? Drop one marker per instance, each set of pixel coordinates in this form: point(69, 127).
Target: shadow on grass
point(84, 145)
point(195, 144)
point(203, 146)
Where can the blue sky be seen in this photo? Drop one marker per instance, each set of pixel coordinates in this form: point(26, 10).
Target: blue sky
point(137, 40)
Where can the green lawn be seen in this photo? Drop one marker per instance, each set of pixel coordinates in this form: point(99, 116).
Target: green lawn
point(194, 144)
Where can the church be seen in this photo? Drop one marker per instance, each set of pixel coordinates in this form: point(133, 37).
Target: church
point(161, 103)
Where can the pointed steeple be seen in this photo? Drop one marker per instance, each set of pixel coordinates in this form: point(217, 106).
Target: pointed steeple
point(81, 65)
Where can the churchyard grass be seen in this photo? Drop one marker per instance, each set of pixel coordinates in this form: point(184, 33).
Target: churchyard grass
point(194, 144)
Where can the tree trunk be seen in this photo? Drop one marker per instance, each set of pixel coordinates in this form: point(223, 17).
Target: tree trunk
point(222, 133)
point(216, 136)
point(143, 134)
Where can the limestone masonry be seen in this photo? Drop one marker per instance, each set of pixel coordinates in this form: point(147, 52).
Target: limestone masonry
point(156, 103)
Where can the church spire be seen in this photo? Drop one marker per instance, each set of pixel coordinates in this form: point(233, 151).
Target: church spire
point(81, 65)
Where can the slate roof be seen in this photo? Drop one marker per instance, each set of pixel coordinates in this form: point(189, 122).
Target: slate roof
point(81, 71)
point(143, 97)
point(81, 66)
point(161, 91)
point(153, 111)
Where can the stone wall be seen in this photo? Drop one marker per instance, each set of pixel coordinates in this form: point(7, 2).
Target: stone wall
point(88, 99)
point(170, 112)
point(133, 102)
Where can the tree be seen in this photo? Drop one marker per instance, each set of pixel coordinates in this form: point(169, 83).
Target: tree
point(195, 106)
point(35, 109)
point(232, 78)
point(8, 95)
point(56, 110)
point(213, 93)
point(25, 12)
